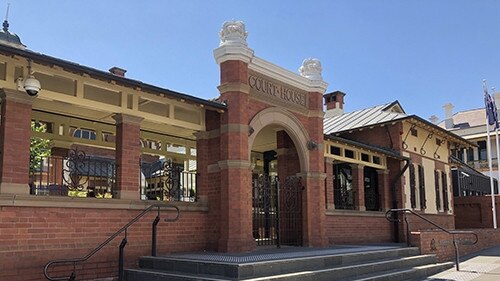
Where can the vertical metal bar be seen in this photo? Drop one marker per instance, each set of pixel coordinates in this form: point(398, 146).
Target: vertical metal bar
point(457, 261)
point(120, 257)
point(407, 230)
point(153, 234)
point(278, 214)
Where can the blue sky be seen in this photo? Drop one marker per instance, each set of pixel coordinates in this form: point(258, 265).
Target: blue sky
point(423, 53)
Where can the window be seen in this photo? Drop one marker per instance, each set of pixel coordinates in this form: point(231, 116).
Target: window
point(376, 160)
point(413, 191)
point(335, 150)
point(365, 157)
point(483, 154)
point(84, 134)
point(372, 202)
point(444, 180)
point(421, 185)
point(349, 153)
point(414, 132)
point(343, 194)
point(438, 196)
point(470, 155)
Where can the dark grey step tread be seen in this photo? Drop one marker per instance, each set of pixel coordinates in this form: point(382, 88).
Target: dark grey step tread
point(158, 275)
point(319, 274)
point(414, 273)
point(287, 266)
point(408, 251)
point(352, 272)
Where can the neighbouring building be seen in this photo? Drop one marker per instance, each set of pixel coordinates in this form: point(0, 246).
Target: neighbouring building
point(471, 174)
point(263, 164)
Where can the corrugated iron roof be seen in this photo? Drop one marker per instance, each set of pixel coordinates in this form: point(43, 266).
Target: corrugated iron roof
point(365, 117)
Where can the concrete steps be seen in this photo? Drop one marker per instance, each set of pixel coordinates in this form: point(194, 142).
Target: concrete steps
point(388, 264)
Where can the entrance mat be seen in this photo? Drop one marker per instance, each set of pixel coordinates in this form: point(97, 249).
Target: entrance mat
point(268, 254)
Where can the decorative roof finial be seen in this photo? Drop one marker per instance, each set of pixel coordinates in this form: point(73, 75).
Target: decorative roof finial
point(6, 21)
point(233, 33)
point(311, 69)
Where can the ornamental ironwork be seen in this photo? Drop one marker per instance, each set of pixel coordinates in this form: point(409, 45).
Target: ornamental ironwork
point(166, 180)
point(77, 175)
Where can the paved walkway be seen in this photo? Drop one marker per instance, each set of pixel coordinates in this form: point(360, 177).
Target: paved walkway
point(481, 266)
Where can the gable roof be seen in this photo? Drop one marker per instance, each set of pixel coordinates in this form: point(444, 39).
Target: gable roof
point(382, 114)
point(467, 119)
point(365, 117)
point(78, 68)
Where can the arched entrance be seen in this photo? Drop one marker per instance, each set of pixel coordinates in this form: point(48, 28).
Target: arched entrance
point(276, 188)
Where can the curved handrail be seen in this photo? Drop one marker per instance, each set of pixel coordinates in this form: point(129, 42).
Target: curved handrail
point(451, 232)
point(74, 261)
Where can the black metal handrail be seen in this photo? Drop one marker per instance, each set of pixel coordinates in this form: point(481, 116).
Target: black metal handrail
point(451, 232)
point(74, 261)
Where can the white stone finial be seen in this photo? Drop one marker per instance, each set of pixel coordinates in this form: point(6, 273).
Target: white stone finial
point(311, 69)
point(233, 33)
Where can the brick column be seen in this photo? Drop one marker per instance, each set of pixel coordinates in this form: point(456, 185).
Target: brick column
point(15, 134)
point(358, 185)
point(128, 154)
point(235, 167)
point(314, 179)
point(329, 182)
point(384, 189)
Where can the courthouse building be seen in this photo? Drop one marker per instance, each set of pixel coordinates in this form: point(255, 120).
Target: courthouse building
point(263, 164)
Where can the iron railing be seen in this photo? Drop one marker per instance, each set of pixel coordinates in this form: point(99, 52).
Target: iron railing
point(164, 180)
point(75, 261)
point(372, 199)
point(344, 199)
point(76, 175)
point(388, 216)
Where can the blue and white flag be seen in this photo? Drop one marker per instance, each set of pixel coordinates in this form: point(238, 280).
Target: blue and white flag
point(491, 110)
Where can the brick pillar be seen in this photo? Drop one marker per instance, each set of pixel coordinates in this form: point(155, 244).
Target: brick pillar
point(314, 178)
point(15, 134)
point(208, 173)
point(329, 182)
point(358, 185)
point(235, 167)
point(384, 189)
point(128, 154)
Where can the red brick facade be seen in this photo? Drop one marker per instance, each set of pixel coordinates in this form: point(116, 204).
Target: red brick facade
point(475, 212)
point(128, 153)
point(34, 230)
point(30, 237)
point(15, 133)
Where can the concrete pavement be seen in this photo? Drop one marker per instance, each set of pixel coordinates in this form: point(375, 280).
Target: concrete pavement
point(480, 266)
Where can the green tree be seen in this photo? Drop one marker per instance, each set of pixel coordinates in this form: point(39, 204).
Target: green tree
point(39, 147)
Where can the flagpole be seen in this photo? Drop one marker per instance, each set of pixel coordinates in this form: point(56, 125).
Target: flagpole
point(488, 152)
point(496, 139)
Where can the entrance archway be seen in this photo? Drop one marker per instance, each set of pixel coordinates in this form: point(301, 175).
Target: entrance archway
point(276, 189)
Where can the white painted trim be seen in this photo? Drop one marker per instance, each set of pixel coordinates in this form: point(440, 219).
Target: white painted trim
point(228, 52)
point(286, 76)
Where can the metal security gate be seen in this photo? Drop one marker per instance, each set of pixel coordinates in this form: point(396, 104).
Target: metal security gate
point(277, 211)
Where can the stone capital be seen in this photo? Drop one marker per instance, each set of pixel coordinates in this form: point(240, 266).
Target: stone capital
point(329, 160)
point(234, 128)
point(312, 175)
point(16, 96)
point(234, 87)
point(128, 119)
point(234, 164)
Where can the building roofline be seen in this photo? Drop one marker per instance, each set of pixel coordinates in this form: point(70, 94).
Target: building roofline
point(457, 138)
point(41, 58)
point(387, 151)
